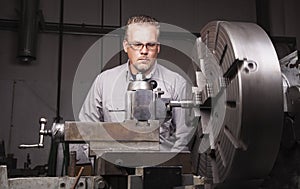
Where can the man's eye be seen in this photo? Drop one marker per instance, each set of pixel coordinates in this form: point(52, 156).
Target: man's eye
point(151, 44)
point(138, 45)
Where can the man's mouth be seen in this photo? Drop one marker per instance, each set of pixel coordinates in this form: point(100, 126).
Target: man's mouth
point(143, 59)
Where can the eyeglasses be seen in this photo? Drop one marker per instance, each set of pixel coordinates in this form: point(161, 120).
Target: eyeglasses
point(139, 46)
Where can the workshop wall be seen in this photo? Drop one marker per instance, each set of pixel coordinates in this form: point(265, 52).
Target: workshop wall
point(29, 91)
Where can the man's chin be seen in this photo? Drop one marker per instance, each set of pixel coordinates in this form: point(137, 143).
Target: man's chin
point(143, 70)
point(143, 67)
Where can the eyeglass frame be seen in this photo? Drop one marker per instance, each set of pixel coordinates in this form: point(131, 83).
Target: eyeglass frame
point(147, 45)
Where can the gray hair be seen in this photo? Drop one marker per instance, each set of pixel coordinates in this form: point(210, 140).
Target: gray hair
point(141, 19)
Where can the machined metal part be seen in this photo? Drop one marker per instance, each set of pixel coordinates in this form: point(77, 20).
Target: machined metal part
point(87, 182)
point(125, 136)
point(293, 100)
point(57, 131)
point(72, 164)
point(140, 105)
point(105, 131)
point(182, 103)
point(138, 85)
point(111, 163)
point(143, 104)
point(140, 100)
point(3, 177)
point(243, 127)
point(291, 82)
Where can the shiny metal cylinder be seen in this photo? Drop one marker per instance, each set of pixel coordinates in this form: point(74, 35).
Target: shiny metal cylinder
point(243, 151)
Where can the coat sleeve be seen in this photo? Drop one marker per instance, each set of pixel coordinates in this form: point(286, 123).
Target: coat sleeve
point(91, 110)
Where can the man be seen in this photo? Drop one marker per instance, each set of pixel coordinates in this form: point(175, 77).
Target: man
point(106, 98)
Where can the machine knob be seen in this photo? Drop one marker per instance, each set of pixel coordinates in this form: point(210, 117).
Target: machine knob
point(153, 83)
point(43, 120)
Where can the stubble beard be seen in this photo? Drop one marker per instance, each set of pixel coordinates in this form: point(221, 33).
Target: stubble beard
point(144, 66)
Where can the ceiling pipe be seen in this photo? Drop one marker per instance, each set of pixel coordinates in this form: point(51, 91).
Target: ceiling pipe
point(28, 30)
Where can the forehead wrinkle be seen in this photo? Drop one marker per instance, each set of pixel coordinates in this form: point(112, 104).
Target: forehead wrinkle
point(138, 31)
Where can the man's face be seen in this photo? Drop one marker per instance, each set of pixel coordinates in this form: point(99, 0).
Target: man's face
point(141, 47)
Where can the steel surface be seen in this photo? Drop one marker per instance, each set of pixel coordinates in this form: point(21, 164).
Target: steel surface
point(246, 145)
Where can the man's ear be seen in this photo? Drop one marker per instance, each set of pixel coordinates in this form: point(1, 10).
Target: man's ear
point(158, 48)
point(125, 45)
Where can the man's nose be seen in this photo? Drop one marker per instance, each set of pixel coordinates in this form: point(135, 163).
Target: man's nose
point(144, 50)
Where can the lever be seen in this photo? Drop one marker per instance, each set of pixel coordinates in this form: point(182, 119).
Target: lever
point(42, 132)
